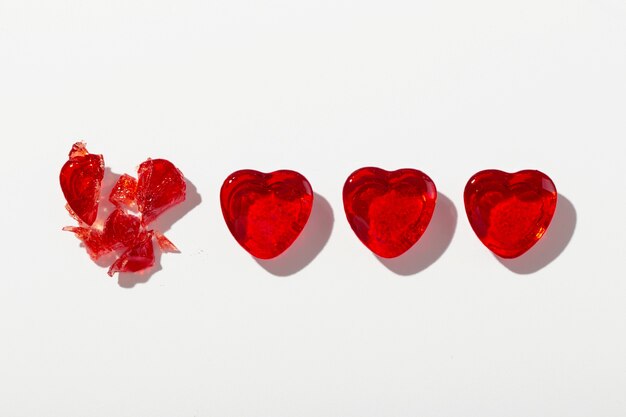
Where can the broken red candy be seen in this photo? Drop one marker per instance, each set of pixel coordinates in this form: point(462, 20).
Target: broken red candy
point(164, 243)
point(266, 212)
point(137, 258)
point(93, 239)
point(81, 178)
point(121, 229)
point(161, 185)
point(124, 192)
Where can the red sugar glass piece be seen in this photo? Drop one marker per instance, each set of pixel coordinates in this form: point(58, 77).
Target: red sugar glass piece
point(160, 186)
point(266, 212)
point(94, 240)
point(510, 212)
point(389, 210)
point(137, 258)
point(164, 243)
point(121, 229)
point(81, 179)
point(124, 192)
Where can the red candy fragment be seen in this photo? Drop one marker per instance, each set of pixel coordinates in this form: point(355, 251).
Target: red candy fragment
point(81, 178)
point(121, 229)
point(389, 211)
point(510, 212)
point(266, 212)
point(137, 258)
point(160, 186)
point(93, 239)
point(124, 192)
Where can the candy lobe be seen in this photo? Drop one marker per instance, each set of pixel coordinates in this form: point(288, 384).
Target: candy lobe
point(81, 179)
point(160, 186)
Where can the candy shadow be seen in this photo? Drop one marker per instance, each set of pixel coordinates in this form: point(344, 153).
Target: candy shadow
point(308, 245)
point(431, 245)
point(551, 245)
point(162, 224)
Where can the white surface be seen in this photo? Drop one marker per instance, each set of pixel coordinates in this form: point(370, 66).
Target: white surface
point(323, 87)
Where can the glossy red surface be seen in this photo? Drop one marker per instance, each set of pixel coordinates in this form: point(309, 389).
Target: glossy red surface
point(81, 179)
point(160, 186)
point(266, 212)
point(124, 192)
point(137, 258)
point(389, 211)
point(510, 212)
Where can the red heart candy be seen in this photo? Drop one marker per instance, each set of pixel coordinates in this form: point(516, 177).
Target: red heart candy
point(160, 186)
point(266, 212)
point(81, 178)
point(389, 211)
point(510, 212)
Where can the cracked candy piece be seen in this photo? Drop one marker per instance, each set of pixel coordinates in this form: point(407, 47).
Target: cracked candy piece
point(137, 258)
point(124, 192)
point(93, 239)
point(160, 186)
point(164, 243)
point(81, 179)
point(121, 229)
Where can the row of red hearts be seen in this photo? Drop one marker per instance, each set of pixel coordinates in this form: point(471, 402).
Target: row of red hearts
point(266, 212)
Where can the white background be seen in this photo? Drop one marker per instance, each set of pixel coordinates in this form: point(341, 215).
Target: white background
point(322, 87)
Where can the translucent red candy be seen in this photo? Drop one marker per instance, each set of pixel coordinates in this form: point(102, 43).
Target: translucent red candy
point(510, 212)
point(81, 177)
point(389, 211)
point(124, 192)
point(160, 186)
point(266, 212)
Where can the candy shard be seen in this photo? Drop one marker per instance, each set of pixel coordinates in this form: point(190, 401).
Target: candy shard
point(78, 149)
point(93, 239)
point(81, 179)
point(121, 229)
point(160, 186)
point(164, 243)
point(124, 192)
point(137, 258)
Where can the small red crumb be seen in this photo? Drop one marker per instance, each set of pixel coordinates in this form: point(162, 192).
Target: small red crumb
point(164, 243)
point(124, 192)
point(93, 239)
